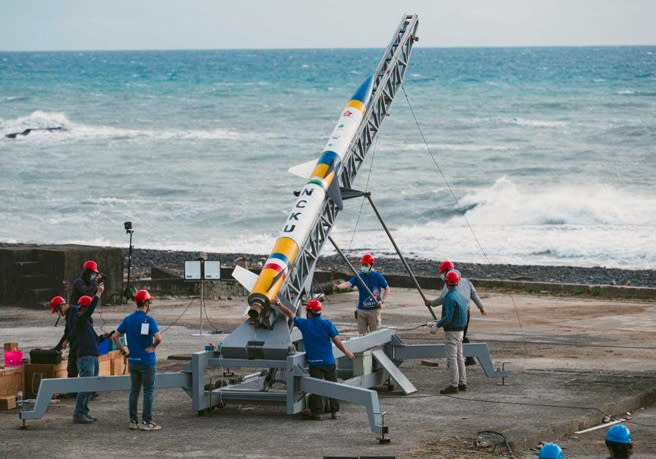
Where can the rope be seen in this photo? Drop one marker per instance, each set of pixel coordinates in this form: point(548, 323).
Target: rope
point(457, 201)
point(366, 188)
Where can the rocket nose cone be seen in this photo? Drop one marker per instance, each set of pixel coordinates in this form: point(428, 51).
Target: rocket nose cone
point(363, 94)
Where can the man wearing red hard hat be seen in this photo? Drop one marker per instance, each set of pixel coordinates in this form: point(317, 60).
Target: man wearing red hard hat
point(59, 306)
point(467, 289)
point(454, 318)
point(87, 283)
point(143, 337)
point(86, 339)
point(319, 334)
point(369, 311)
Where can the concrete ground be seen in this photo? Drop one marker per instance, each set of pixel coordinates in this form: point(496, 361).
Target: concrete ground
point(573, 361)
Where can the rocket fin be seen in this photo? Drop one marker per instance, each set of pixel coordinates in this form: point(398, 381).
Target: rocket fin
point(335, 193)
point(305, 169)
point(245, 277)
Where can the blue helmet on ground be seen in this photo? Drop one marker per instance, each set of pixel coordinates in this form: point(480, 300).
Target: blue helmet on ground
point(619, 433)
point(551, 451)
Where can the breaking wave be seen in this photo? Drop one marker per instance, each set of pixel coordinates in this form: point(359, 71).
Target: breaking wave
point(505, 203)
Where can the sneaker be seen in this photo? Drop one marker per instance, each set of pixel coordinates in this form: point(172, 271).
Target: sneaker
point(335, 416)
point(462, 387)
point(150, 426)
point(82, 419)
point(134, 425)
point(469, 361)
point(94, 419)
point(449, 390)
point(312, 417)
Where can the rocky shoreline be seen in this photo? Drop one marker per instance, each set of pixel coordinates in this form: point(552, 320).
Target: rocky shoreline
point(144, 259)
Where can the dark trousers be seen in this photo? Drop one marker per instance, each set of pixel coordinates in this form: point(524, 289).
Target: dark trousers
point(329, 373)
point(72, 363)
point(464, 336)
point(141, 376)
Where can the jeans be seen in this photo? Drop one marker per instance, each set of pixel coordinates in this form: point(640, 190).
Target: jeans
point(329, 373)
point(87, 365)
point(455, 360)
point(142, 375)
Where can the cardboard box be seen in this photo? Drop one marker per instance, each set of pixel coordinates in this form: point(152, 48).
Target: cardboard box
point(34, 373)
point(8, 403)
point(11, 346)
point(11, 380)
point(105, 368)
point(119, 366)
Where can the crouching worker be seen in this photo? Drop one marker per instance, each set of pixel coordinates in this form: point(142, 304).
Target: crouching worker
point(318, 336)
point(618, 442)
point(454, 319)
point(143, 337)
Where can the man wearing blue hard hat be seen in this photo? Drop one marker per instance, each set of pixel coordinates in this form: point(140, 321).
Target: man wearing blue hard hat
point(618, 442)
point(551, 451)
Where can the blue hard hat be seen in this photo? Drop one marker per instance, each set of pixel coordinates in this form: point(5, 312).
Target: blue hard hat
point(551, 451)
point(619, 434)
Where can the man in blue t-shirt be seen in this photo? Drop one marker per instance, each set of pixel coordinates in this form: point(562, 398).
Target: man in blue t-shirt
point(318, 337)
point(143, 337)
point(369, 313)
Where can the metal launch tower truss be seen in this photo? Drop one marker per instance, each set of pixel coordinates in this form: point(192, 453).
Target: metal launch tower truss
point(388, 78)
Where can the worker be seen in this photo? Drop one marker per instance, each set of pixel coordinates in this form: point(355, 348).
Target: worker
point(466, 288)
point(318, 336)
point(454, 317)
point(59, 306)
point(87, 283)
point(550, 451)
point(143, 338)
point(87, 340)
point(369, 310)
point(618, 442)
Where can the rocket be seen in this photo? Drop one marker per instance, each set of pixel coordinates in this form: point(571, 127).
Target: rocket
point(323, 183)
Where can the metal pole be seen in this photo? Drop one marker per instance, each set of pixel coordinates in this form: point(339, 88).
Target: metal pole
point(405, 264)
point(202, 284)
point(357, 274)
point(127, 287)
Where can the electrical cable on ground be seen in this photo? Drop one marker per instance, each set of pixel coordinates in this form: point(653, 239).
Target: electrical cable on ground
point(216, 330)
point(457, 201)
point(176, 320)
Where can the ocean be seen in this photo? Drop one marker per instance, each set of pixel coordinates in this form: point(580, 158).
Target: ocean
point(549, 152)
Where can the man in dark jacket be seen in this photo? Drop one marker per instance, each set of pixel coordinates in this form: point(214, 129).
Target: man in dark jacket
point(59, 305)
point(87, 351)
point(87, 283)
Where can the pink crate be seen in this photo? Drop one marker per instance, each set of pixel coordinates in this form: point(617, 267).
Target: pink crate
point(13, 358)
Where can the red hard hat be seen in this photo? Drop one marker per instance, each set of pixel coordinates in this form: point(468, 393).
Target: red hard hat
point(91, 266)
point(452, 278)
point(445, 266)
point(314, 306)
point(141, 296)
point(84, 300)
point(367, 259)
point(55, 303)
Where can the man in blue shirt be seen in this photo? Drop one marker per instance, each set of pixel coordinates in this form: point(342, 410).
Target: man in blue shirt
point(454, 320)
point(318, 337)
point(85, 339)
point(369, 312)
point(143, 337)
point(58, 305)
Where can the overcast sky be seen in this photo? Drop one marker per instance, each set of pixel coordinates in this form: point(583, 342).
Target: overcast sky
point(214, 24)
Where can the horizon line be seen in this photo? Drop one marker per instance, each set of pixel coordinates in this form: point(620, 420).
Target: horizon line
point(324, 48)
